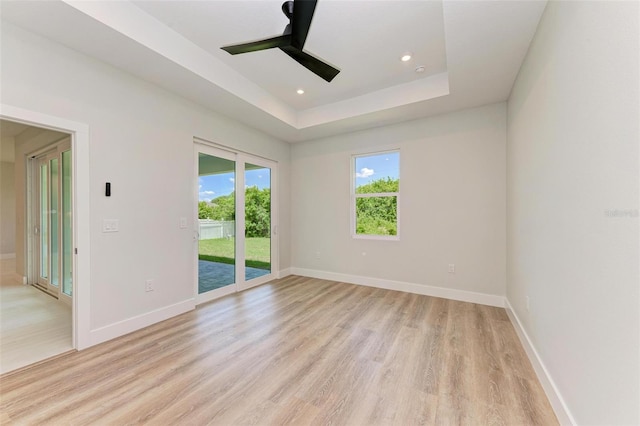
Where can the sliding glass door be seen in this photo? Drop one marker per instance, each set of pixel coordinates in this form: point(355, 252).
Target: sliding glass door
point(257, 221)
point(52, 228)
point(216, 230)
point(234, 223)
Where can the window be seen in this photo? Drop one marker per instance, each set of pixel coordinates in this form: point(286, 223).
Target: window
point(375, 194)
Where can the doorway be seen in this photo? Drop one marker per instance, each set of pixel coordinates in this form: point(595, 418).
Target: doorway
point(235, 228)
point(35, 313)
point(81, 303)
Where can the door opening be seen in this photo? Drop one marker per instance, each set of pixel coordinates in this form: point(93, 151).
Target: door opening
point(78, 265)
point(235, 225)
point(40, 221)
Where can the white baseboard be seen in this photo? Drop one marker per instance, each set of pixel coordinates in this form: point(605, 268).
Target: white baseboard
point(427, 290)
point(551, 390)
point(127, 326)
point(5, 256)
point(284, 273)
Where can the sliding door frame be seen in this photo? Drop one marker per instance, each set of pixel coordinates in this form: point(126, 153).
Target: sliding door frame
point(34, 198)
point(241, 159)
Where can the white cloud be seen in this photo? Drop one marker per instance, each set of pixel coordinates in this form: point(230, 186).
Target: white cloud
point(205, 195)
point(364, 173)
point(232, 180)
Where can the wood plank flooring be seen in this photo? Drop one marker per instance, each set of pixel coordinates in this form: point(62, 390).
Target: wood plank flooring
point(33, 325)
point(295, 351)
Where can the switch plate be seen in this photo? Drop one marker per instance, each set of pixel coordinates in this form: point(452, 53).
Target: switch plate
point(452, 268)
point(183, 222)
point(148, 285)
point(110, 225)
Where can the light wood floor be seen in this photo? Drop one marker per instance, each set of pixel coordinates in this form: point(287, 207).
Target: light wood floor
point(296, 351)
point(33, 325)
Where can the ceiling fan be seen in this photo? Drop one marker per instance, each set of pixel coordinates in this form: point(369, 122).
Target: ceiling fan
point(291, 42)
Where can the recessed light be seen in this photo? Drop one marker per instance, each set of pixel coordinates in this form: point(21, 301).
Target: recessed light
point(300, 92)
point(406, 57)
point(420, 69)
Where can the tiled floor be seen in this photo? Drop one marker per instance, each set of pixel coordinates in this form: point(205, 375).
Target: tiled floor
point(212, 275)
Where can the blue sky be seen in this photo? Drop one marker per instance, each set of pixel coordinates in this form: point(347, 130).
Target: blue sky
point(378, 166)
point(368, 169)
point(213, 186)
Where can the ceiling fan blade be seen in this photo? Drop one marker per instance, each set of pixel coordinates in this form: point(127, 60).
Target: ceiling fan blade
point(301, 21)
point(313, 64)
point(269, 43)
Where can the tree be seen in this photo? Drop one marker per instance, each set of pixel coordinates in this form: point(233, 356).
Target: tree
point(205, 210)
point(379, 186)
point(224, 207)
point(257, 210)
point(377, 215)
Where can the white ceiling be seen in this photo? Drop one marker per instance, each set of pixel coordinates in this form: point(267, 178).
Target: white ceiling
point(471, 51)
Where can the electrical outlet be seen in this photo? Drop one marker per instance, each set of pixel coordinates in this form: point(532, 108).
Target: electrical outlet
point(183, 223)
point(317, 255)
point(452, 268)
point(527, 303)
point(148, 285)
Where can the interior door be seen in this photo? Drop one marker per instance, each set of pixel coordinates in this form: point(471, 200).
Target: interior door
point(234, 222)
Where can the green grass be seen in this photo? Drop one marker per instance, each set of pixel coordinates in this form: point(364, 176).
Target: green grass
point(222, 250)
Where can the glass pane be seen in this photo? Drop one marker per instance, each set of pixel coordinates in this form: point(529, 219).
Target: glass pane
point(377, 173)
point(67, 216)
point(216, 222)
point(44, 219)
point(257, 217)
point(53, 224)
point(377, 215)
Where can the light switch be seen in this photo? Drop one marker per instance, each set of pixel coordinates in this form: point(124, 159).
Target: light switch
point(110, 225)
point(183, 222)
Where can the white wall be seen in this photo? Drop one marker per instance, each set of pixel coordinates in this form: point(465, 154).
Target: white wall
point(573, 157)
point(141, 140)
point(452, 203)
point(7, 197)
point(7, 210)
point(7, 148)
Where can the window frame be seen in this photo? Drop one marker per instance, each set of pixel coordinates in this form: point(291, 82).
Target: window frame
point(353, 196)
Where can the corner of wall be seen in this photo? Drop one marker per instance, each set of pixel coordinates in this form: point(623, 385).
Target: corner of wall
point(550, 389)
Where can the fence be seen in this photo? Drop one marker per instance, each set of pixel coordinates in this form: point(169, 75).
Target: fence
point(213, 229)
